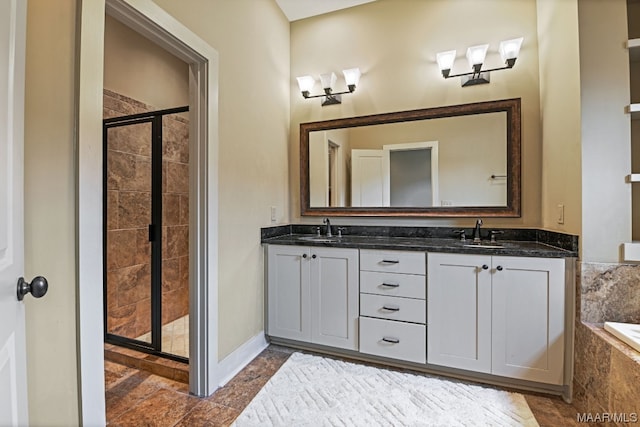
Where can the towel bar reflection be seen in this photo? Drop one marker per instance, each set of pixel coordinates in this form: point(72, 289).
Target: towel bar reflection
point(498, 176)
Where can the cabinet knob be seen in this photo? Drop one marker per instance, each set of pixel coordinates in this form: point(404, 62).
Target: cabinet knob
point(499, 268)
point(314, 256)
point(485, 267)
point(304, 255)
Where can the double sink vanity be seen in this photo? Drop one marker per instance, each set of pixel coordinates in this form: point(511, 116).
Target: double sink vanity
point(494, 306)
point(420, 297)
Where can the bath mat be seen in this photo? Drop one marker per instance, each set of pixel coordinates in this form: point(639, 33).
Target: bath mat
point(317, 391)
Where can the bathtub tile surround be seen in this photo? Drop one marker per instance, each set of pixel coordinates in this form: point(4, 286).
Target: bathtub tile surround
point(607, 371)
point(610, 293)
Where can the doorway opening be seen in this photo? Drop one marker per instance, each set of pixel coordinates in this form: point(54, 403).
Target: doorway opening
point(203, 64)
point(146, 231)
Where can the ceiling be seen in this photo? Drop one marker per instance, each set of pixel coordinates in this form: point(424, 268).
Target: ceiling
point(300, 9)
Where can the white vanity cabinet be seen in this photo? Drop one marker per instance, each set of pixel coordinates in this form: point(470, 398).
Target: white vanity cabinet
point(392, 304)
point(459, 311)
point(497, 314)
point(312, 295)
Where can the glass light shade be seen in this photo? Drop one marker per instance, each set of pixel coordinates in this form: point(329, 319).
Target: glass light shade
point(328, 80)
point(351, 76)
point(446, 59)
point(510, 49)
point(306, 83)
point(476, 54)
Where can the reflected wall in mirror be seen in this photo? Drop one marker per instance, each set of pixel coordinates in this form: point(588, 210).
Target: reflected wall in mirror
point(461, 160)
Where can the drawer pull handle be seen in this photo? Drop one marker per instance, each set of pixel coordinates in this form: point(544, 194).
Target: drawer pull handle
point(384, 307)
point(391, 340)
point(390, 285)
point(390, 261)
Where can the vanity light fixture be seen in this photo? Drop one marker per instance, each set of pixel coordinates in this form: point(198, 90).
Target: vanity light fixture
point(328, 80)
point(509, 50)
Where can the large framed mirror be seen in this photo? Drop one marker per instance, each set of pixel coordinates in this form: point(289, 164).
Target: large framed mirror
point(453, 161)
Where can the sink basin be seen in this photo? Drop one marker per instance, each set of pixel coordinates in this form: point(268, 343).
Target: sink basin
point(319, 239)
point(480, 245)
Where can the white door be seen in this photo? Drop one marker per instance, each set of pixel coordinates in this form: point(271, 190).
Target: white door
point(459, 311)
point(13, 370)
point(334, 297)
point(369, 178)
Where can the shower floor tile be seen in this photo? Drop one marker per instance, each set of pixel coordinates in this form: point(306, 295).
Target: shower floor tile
point(175, 337)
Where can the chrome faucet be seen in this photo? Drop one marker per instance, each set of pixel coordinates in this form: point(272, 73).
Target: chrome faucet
point(476, 232)
point(326, 221)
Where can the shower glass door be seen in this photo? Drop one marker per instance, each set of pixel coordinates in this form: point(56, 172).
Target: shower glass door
point(141, 175)
point(128, 249)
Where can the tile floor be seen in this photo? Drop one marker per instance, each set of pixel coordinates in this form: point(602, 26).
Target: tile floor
point(175, 337)
point(136, 397)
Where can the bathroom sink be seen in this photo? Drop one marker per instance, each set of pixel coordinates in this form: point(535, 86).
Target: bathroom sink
point(319, 239)
point(480, 245)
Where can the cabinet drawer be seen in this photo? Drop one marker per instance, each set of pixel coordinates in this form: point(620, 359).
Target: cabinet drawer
point(393, 308)
point(394, 284)
point(393, 261)
point(396, 340)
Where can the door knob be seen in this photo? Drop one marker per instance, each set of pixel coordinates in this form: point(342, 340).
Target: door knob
point(38, 287)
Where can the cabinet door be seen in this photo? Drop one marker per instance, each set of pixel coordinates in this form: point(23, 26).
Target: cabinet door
point(334, 297)
point(459, 311)
point(528, 318)
point(288, 292)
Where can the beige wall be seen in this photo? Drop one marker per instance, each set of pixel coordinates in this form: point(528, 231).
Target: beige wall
point(606, 139)
point(252, 39)
point(560, 114)
point(394, 42)
point(140, 69)
point(50, 211)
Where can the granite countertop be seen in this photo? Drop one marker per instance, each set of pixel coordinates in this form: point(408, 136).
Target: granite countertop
point(516, 243)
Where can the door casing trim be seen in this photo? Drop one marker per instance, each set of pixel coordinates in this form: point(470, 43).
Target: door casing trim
point(148, 19)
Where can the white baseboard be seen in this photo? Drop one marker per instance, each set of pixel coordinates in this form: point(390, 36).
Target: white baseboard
point(233, 363)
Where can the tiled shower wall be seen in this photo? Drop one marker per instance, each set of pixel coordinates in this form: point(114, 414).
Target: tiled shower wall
point(129, 207)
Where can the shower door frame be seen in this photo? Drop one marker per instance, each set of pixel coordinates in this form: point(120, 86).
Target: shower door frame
point(155, 230)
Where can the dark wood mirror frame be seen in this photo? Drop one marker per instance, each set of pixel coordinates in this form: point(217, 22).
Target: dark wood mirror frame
point(511, 210)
